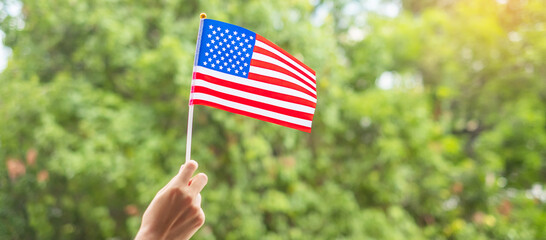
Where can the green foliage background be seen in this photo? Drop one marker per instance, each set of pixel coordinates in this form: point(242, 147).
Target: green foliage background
point(455, 150)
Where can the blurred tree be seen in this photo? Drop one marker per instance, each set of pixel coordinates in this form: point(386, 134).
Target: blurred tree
point(93, 105)
point(478, 64)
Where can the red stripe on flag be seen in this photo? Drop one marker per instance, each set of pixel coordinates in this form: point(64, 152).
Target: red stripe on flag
point(277, 57)
point(257, 104)
point(252, 115)
point(266, 65)
point(275, 81)
point(259, 91)
point(264, 40)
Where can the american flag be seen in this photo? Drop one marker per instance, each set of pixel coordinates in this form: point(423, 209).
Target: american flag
point(239, 71)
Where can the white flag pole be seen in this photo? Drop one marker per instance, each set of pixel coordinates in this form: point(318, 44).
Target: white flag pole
point(202, 16)
point(188, 138)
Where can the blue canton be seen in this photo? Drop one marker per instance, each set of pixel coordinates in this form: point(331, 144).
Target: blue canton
point(226, 48)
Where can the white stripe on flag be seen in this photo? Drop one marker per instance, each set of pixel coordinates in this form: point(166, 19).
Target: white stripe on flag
point(272, 50)
point(256, 84)
point(254, 97)
point(250, 109)
point(268, 59)
point(281, 76)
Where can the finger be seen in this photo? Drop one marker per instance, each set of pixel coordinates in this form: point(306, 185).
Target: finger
point(198, 183)
point(185, 173)
point(197, 200)
point(200, 219)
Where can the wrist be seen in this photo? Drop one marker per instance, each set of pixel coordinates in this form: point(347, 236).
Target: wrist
point(146, 234)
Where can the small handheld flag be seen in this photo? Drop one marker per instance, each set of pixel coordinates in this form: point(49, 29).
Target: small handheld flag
point(239, 71)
